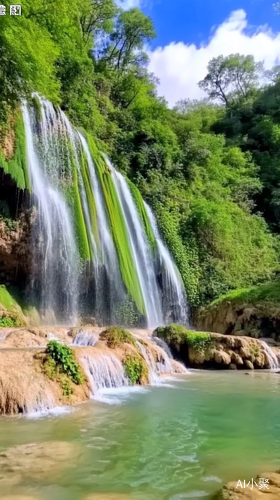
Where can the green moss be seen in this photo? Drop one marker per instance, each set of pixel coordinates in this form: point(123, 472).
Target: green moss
point(177, 335)
point(73, 197)
point(126, 313)
point(6, 321)
point(136, 369)
point(198, 341)
point(10, 312)
point(116, 336)
point(89, 194)
point(172, 334)
point(37, 109)
point(17, 165)
point(118, 229)
point(142, 214)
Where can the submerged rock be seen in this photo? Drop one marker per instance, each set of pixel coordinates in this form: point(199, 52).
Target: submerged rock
point(112, 496)
point(231, 492)
point(36, 461)
point(18, 497)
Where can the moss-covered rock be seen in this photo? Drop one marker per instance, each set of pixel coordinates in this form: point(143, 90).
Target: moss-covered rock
point(252, 312)
point(177, 336)
point(115, 336)
point(11, 313)
point(213, 350)
point(136, 369)
point(13, 158)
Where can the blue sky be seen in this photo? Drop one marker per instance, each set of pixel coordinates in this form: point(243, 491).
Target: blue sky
point(191, 21)
point(191, 32)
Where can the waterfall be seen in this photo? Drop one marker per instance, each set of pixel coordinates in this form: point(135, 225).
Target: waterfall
point(271, 356)
point(92, 255)
point(104, 371)
point(175, 299)
point(151, 364)
point(140, 250)
point(85, 339)
point(108, 254)
point(53, 237)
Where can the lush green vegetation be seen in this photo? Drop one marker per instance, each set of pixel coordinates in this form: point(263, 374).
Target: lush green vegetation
point(10, 312)
point(136, 369)
point(177, 335)
point(269, 292)
point(61, 359)
point(209, 169)
point(116, 336)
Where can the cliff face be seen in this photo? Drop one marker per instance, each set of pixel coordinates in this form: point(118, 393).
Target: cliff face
point(16, 249)
point(254, 312)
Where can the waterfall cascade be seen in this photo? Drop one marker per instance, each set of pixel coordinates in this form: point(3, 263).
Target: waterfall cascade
point(274, 360)
point(92, 253)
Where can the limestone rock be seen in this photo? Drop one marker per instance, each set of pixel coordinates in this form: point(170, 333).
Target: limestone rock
point(231, 492)
point(249, 364)
point(222, 358)
point(232, 366)
point(236, 359)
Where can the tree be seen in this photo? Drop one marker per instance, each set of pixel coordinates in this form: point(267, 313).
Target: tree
point(132, 31)
point(231, 78)
point(96, 18)
point(273, 75)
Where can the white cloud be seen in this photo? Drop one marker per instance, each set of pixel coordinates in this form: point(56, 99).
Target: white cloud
point(180, 66)
point(129, 4)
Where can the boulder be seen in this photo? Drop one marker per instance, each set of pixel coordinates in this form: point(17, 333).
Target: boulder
point(233, 490)
point(249, 364)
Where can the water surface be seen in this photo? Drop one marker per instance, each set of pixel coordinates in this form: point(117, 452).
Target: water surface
point(177, 441)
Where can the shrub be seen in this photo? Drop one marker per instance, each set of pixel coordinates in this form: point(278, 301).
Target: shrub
point(136, 369)
point(116, 336)
point(61, 359)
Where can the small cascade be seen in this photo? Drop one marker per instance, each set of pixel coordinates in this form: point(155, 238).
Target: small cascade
point(151, 364)
point(85, 339)
point(273, 359)
point(140, 250)
point(161, 343)
point(42, 402)
point(105, 371)
point(174, 295)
